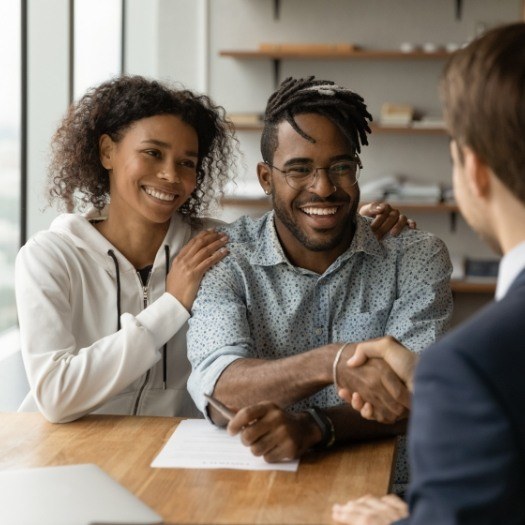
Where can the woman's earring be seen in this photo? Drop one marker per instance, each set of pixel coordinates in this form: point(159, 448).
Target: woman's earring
point(268, 192)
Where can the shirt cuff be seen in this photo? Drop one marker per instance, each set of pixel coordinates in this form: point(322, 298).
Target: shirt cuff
point(163, 318)
point(200, 383)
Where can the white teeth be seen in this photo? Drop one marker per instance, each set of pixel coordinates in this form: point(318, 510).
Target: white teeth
point(159, 194)
point(320, 211)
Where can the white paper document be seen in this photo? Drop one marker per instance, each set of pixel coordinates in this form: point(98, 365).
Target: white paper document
point(196, 443)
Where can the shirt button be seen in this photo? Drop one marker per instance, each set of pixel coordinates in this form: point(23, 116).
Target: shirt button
point(318, 331)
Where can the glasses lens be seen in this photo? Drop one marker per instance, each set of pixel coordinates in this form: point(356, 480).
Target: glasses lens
point(299, 176)
point(344, 172)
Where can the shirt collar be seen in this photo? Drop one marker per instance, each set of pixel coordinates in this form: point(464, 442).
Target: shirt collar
point(510, 267)
point(271, 253)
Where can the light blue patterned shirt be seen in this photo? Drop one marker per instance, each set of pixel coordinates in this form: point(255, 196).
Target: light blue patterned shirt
point(256, 304)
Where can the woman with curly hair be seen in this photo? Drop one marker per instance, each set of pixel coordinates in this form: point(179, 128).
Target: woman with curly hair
point(103, 297)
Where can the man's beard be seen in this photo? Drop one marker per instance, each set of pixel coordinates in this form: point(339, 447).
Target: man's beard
point(313, 244)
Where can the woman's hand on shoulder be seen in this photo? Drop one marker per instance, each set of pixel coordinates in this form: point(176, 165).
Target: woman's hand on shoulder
point(192, 262)
point(386, 219)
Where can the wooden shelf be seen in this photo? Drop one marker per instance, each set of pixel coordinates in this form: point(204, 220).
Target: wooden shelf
point(478, 287)
point(376, 128)
point(414, 207)
point(406, 130)
point(248, 127)
point(434, 208)
point(339, 55)
point(321, 54)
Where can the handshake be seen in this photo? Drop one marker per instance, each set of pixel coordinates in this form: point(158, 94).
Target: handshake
point(376, 378)
point(373, 377)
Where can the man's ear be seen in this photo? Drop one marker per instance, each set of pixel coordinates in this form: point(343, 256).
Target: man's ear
point(264, 174)
point(477, 173)
point(106, 147)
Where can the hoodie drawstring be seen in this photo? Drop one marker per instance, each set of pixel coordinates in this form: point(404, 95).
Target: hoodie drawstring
point(117, 271)
point(165, 347)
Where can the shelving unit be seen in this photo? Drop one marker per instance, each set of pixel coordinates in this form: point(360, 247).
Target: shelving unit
point(359, 54)
point(468, 287)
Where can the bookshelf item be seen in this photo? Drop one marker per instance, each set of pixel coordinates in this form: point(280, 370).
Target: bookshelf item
point(396, 114)
point(309, 49)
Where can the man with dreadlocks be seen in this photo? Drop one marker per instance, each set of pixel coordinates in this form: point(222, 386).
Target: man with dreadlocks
point(272, 324)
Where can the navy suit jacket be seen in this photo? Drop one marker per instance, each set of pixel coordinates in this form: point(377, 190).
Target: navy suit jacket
point(467, 428)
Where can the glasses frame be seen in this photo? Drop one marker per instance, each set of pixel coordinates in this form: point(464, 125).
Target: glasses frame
point(313, 175)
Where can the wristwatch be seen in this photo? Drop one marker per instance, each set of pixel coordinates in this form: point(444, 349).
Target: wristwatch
point(325, 424)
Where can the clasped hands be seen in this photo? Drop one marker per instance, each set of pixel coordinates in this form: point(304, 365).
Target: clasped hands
point(376, 378)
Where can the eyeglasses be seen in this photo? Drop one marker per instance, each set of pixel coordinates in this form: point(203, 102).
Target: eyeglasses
point(340, 173)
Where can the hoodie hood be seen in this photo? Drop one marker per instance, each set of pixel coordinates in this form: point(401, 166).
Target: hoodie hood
point(78, 230)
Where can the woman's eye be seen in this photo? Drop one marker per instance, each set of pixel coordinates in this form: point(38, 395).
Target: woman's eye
point(153, 153)
point(190, 164)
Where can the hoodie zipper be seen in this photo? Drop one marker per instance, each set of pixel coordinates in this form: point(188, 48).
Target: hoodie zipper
point(145, 297)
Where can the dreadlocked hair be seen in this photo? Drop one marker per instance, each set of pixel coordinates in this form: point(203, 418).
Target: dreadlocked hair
point(341, 106)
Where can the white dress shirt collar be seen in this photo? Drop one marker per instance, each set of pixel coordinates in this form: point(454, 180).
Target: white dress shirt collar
point(510, 267)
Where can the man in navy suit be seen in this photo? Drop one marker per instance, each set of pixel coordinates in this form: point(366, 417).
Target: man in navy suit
point(467, 428)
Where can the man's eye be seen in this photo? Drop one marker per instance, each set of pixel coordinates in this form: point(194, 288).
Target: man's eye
point(343, 167)
point(299, 171)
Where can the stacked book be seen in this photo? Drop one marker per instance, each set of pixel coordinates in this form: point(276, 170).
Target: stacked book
point(396, 114)
point(402, 190)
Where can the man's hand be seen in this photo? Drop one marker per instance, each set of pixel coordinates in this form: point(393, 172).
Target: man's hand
point(398, 357)
point(377, 384)
point(370, 510)
point(386, 219)
point(271, 432)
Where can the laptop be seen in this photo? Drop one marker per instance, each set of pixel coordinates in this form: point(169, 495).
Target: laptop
point(69, 495)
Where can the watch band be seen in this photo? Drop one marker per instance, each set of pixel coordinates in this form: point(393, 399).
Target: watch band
point(325, 424)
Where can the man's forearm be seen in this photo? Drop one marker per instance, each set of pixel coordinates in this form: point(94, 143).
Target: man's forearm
point(282, 381)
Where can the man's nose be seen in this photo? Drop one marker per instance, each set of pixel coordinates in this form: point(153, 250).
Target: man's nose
point(322, 185)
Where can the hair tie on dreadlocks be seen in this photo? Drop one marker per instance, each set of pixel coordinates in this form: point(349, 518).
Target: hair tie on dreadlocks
point(342, 106)
point(325, 89)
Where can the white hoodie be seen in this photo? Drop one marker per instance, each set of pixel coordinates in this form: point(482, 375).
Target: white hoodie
point(77, 360)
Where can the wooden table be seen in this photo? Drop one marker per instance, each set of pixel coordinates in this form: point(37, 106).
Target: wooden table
point(125, 446)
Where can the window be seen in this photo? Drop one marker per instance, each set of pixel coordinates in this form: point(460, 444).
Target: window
point(97, 43)
point(10, 147)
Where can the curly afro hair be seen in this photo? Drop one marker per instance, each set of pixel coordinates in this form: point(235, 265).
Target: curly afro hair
point(76, 175)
